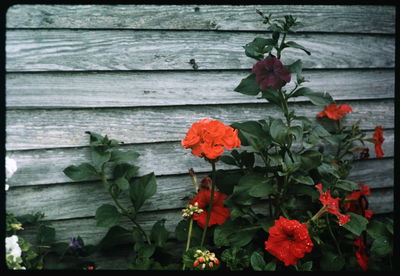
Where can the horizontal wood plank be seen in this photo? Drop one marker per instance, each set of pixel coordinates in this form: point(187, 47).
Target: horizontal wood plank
point(380, 201)
point(66, 201)
point(33, 129)
point(81, 50)
point(316, 18)
point(36, 167)
point(129, 89)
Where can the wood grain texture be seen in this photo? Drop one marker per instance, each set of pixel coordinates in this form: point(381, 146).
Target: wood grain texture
point(381, 201)
point(36, 167)
point(33, 129)
point(129, 89)
point(66, 201)
point(80, 50)
point(316, 18)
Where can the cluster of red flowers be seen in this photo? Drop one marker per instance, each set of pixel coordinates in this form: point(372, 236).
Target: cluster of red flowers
point(356, 202)
point(207, 138)
point(335, 111)
point(219, 213)
point(332, 205)
point(288, 240)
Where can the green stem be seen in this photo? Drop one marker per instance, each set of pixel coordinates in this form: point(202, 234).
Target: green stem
point(124, 211)
point(209, 210)
point(279, 50)
point(333, 236)
point(188, 238)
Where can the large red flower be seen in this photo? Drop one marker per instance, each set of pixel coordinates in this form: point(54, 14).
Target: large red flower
point(270, 73)
point(288, 240)
point(219, 214)
point(335, 111)
point(207, 138)
point(378, 136)
point(356, 202)
point(332, 205)
point(361, 253)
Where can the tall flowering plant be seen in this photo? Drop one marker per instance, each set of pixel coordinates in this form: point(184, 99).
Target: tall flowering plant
point(289, 205)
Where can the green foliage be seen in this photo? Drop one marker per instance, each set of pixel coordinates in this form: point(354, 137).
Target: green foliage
point(107, 215)
point(236, 258)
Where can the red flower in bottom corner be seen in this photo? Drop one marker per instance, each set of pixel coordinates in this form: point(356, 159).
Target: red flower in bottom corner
point(361, 253)
point(288, 240)
point(219, 213)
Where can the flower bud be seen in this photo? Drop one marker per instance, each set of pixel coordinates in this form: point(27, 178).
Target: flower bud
point(196, 263)
point(210, 264)
point(201, 260)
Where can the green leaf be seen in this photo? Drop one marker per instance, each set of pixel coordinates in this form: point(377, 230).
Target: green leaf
point(235, 233)
point(84, 171)
point(279, 131)
point(251, 133)
point(142, 189)
point(310, 159)
point(122, 183)
point(346, 185)
point(317, 98)
point(357, 224)
point(236, 258)
point(257, 261)
point(306, 266)
point(46, 235)
point(145, 250)
point(125, 170)
point(377, 229)
point(248, 86)
point(159, 234)
point(107, 215)
point(227, 180)
point(293, 44)
point(331, 261)
point(116, 235)
point(303, 179)
point(228, 160)
point(124, 156)
point(272, 95)
point(271, 266)
point(95, 138)
point(255, 49)
point(382, 246)
point(261, 186)
point(295, 67)
point(99, 157)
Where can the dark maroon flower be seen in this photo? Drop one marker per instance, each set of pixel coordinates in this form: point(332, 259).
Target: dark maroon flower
point(270, 73)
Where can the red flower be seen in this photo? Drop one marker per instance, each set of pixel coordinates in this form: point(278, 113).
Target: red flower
point(361, 253)
point(219, 214)
point(356, 202)
point(270, 73)
point(334, 111)
point(378, 136)
point(332, 205)
point(288, 240)
point(207, 138)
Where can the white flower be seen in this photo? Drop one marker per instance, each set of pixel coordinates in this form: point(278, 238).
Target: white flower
point(11, 167)
point(12, 247)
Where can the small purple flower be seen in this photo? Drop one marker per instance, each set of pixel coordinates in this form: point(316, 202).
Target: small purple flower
point(74, 243)
point(270, 73)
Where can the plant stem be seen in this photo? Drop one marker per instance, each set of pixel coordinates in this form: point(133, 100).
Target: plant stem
point(188, 238)
point(333, 236)
point(210, 204)
point(279, 50)
point(125, 212)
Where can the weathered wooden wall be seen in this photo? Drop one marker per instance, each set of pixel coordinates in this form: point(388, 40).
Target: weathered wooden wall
point(124, 71)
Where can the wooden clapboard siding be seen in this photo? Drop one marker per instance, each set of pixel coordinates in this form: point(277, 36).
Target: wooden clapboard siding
point(80, 50)
point(124, 70)
point(381, 201)
point(129, 89)
point(66, 201)
point(316, 18)
point(27, 129)
point(41, 167)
